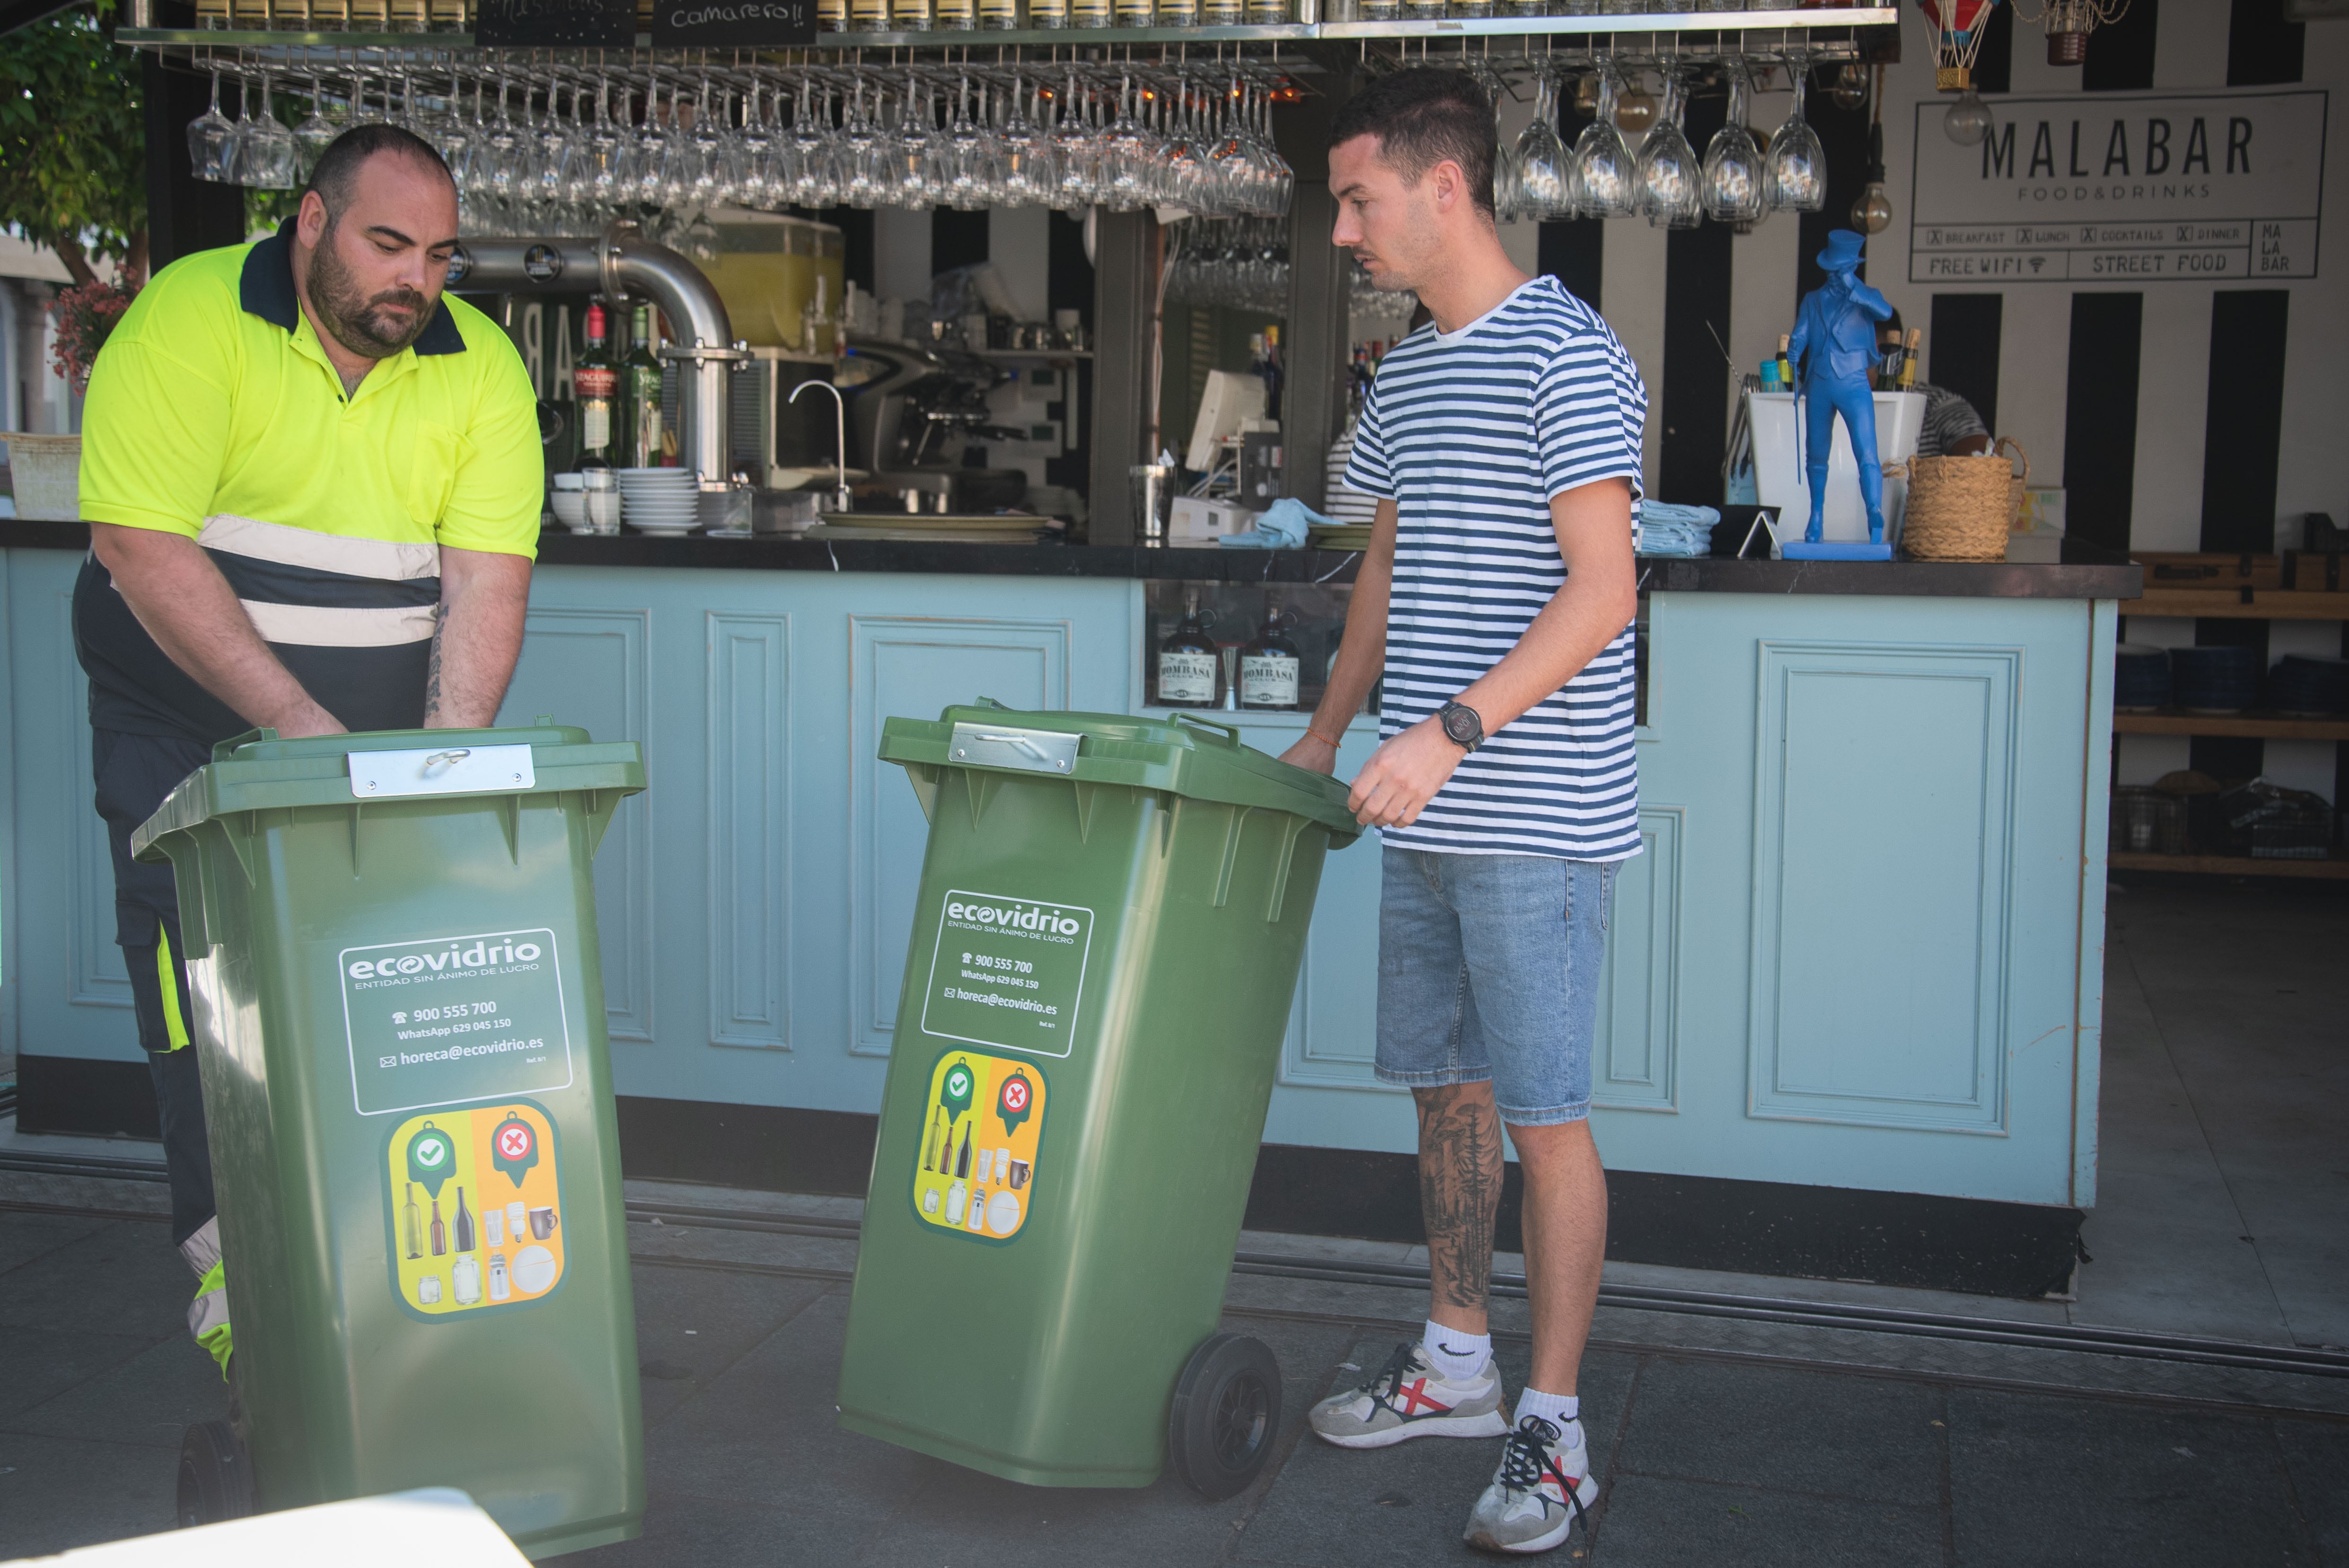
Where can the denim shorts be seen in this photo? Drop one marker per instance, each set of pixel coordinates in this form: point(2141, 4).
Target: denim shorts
point(1489, 968)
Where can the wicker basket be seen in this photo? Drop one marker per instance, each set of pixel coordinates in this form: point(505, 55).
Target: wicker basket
point(1963, 509)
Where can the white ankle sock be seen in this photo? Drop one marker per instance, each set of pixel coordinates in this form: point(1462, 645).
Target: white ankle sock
point(1560, 1411)
point(1458, 1357)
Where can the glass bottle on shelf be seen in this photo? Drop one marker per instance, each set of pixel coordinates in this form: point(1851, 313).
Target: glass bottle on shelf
point(999, 16)
point(955, 15)
point(1267, 12)
point(1187, 662)
point(1269, 665)
point(595, 384)
point(831, 16)
point(640, 395)
point(1220, 12)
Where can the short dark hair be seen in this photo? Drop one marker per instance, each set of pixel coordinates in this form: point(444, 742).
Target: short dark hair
point(1423, 117)
point(338, 166)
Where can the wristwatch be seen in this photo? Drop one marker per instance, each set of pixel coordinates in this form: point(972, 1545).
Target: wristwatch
point(1461, 724)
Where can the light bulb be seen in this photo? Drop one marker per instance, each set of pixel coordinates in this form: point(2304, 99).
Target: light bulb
point(1872, 213)
point(1967, 119)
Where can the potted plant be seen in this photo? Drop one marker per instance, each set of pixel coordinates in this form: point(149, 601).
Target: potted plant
point(46, 470)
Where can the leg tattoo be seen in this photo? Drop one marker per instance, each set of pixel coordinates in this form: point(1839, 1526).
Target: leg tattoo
point(1459, 1188)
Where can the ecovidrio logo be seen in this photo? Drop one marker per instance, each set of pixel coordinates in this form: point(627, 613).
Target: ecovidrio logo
point(1051, 921)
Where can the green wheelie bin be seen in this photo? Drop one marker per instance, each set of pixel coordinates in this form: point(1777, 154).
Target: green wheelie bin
point(391, 952)
point(1105, 946)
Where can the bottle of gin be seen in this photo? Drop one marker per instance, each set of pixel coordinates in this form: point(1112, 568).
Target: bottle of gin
point(1187, 662)
point(595, 384)
point(640, 396)
point(1270, 665)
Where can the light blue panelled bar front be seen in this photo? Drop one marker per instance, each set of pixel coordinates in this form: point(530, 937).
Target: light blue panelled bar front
point(1861, 948)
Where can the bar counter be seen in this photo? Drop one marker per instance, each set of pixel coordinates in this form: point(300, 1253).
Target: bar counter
point(1853, 993)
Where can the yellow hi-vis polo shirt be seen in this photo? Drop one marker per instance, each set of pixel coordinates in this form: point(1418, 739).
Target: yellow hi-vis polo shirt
point(214, 413)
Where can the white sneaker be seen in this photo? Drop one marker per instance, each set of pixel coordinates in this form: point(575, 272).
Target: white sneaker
point(1409, 1399)
point(1542, 1487)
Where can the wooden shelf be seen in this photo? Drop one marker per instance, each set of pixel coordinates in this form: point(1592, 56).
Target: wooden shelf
point(2245, 724)
point(2241, 603)
point(2230, 865)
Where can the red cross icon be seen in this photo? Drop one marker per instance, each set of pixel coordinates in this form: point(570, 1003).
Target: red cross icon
point(1015, 1094)
point(1416, 1395)
point(513, 1140)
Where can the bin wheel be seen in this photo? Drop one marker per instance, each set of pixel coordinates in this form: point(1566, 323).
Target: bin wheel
point(215, 1476)
point(1225, 1415)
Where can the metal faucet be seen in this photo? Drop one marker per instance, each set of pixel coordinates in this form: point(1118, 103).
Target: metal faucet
point(840, 497)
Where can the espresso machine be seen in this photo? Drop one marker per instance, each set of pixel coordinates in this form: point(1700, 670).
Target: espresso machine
point(912, 408)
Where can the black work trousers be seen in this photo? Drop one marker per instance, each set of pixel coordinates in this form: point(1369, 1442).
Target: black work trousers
point(134, 773)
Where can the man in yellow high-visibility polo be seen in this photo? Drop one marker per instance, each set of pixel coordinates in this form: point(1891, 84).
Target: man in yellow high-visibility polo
point(313, 487)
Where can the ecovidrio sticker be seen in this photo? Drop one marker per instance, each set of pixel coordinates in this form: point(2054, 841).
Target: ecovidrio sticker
point(1008, 971)
point(454, 1019)
point(982, 1123)
point(473, 1203)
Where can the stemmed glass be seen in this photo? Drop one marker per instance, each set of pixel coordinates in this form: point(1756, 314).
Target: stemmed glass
point(608, 150)
point(266, 149)
point(972, 169)
point(815, 163)
point(865, 165)
point(207, 140)
point(756, 149)
point(1605, 183)
point(918, 160)
point(315, 134)
point(1075, 153)
point(1128, 156)
point(1542, 170)
point(1028, 178)
point(1670, 172)
point(1798, 163)
point(1734, 174)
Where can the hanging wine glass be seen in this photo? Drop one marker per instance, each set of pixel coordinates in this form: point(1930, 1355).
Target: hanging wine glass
point(1605, 181)
point(607, 178)
point(1669, 173)
point(315, 134)
point(756, 145)
point(266, 156)
point(208, 136)
point(967, 172)
point(865, 167)
point(1798, 163)
point(1074, 152)
point(1734, 173)
point(1025, 157)
point(1542, 167)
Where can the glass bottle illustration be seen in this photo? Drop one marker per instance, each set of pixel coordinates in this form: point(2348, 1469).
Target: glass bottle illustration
point(962, 1160)
point(958, 1198)
point(1270, 665)
point(439, 1231)
point(499, 1288)
point(464, 1223)
point(1187, 662)
point(467, 1275)
point(411, 1224)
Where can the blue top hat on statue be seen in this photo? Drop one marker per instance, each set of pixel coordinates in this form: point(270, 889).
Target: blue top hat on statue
point(1832, 347)
point(1843, 253)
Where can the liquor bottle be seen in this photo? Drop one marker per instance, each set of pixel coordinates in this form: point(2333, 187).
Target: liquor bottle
point(1269, 665)
point(1908, 359)
point(1785, 366)
point(595, 385)
point(439, 1231)
point(1186, 663)
point(411, 1224)
point(464, 1223)
point(640, 396)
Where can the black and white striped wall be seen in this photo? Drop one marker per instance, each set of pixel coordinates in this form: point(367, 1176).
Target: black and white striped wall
point(2183, 415)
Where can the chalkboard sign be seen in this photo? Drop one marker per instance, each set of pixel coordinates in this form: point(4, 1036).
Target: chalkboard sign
point(732, 23)
point(555, 24)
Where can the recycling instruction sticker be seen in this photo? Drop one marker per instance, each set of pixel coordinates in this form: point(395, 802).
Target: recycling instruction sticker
point(474, 1204)
point(1008, 971)
point(454, 1019)
point(982, 1123)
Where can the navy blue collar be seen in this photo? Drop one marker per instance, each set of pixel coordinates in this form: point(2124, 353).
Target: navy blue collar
point(266, 290)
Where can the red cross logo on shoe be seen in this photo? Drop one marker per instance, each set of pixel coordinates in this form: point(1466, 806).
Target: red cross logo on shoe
point(1553, 1475)
point(1415, 1396)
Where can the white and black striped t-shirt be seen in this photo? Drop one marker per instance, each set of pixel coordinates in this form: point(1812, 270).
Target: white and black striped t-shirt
point(1471, 434)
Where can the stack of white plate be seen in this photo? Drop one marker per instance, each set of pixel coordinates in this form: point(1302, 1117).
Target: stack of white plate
point(657, 500)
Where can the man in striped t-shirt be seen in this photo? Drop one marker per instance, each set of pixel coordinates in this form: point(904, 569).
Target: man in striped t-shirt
point(1503, 443)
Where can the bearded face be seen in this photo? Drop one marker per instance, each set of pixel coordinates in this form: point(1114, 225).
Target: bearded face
point(375, 325)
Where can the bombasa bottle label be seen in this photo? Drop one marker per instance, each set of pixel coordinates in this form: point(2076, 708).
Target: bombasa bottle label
point(1268, 680)
point(1186, 677)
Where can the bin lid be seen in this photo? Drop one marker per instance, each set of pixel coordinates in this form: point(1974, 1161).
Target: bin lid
point(1184, 754)
point(258, 770)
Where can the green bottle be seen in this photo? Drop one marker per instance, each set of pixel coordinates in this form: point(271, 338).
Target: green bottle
point(640, 396)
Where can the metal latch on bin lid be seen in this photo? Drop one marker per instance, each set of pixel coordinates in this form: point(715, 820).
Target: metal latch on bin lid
point(442, 770)
point(1029, 751)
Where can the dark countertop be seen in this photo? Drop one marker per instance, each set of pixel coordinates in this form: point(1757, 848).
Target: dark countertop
point(2085, 573)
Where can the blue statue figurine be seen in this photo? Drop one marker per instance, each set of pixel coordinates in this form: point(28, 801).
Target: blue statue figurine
point(1832, 349)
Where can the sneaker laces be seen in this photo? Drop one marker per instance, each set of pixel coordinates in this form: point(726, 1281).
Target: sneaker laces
point(1382, 1388)
point(1526, 1461)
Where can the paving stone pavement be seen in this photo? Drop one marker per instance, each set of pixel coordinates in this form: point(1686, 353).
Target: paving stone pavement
point(1716, 1443)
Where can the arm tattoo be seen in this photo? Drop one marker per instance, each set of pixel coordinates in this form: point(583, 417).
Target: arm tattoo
point(1459, 1189)
point(432, 672)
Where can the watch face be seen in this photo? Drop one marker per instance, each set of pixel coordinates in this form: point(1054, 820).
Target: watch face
point(1461, 724)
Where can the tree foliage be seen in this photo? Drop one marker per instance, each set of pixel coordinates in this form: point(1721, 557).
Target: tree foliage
point(73, 140)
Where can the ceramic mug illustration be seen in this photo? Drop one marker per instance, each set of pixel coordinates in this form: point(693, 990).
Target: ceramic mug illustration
point(541, 1224)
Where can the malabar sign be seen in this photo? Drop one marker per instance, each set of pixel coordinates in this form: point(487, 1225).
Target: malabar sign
point(2123, 188)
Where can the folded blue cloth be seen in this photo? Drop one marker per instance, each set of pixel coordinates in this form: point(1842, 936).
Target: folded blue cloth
point(1282, 527)
point(1666, 529)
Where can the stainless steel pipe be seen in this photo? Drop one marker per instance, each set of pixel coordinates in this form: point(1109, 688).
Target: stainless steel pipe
point(617, 263)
